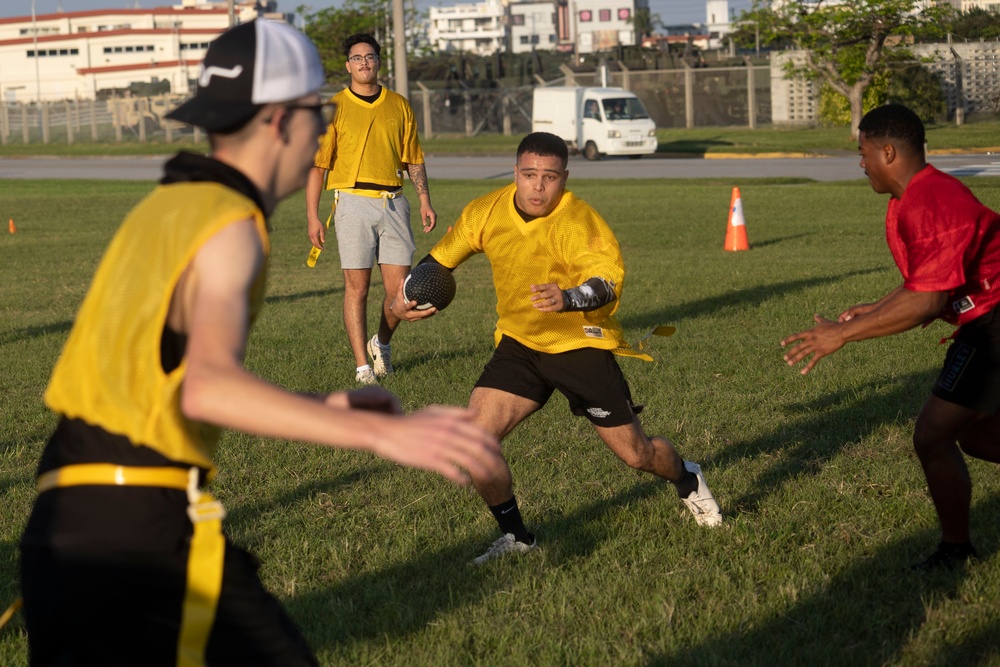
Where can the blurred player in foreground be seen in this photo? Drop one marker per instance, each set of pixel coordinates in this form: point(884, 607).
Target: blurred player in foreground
point(124, 561)
point(947, 246)
point(558, 274)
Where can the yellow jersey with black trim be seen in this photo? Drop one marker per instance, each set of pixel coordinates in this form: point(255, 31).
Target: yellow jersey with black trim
point(110, 372)
point(369, 142)
point(569, 246)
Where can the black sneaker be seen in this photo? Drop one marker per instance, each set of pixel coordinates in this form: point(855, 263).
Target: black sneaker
point(947, 557)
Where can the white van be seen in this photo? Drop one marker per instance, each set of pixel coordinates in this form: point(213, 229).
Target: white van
point(595, 121)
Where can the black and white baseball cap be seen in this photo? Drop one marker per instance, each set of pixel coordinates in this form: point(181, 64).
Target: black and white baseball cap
point(256, 63)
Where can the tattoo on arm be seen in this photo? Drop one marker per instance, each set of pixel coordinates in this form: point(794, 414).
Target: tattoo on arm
point(591, 295)
point(418, 176)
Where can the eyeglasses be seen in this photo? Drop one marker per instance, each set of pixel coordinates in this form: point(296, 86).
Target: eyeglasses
point(367, 58)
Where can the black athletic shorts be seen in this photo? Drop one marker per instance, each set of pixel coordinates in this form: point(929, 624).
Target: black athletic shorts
point(971, 373)
point(589, 378)
point(104, 573)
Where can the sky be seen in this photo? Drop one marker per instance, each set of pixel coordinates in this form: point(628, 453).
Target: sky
point(671, 12)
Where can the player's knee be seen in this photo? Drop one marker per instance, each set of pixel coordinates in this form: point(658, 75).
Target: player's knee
point(981, 445)
point(929, 443)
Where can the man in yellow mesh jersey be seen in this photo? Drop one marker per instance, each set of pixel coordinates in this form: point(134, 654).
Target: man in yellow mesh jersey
point(373, 136)
point(558, 273)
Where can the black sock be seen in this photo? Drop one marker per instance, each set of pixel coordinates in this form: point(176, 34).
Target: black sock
point(509, 519)
point(687, 484)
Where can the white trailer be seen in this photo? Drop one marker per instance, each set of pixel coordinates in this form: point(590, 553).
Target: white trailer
point(595, 121)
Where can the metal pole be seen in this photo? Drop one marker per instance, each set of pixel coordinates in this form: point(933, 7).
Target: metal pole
point(34, 37)
point(399, 48)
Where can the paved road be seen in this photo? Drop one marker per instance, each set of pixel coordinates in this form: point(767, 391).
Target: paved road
point(844, 167)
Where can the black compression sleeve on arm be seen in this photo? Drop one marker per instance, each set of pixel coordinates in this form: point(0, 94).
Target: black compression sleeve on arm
point(591, 295)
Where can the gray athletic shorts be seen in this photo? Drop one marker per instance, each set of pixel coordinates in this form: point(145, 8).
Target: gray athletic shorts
point(373, 227)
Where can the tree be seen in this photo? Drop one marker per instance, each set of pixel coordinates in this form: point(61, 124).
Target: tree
point(645, 23)
point(845, 44)
point(328, 28)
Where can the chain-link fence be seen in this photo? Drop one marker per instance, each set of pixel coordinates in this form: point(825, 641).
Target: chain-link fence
point(689, 97)
point(692, 97)
point(95, 121)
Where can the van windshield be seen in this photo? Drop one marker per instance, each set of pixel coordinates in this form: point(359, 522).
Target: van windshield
point(624, 108)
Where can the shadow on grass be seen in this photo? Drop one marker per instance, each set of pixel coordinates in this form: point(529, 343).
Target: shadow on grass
point(858, 410)
point(779, 240)
point(28, 333)
point(401, 599)
point(744, 298)
point(302, 295)
point(866, 615)
point(248, 512)
point(690, 148)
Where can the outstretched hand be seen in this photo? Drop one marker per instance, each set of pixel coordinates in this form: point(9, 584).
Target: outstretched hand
point(823, 339)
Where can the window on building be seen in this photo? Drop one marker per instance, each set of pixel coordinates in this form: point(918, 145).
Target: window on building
point(605, 15)
point(552, 38)
point(624, 14)
point(586, 16)
point(524, 39)
point(517, 19)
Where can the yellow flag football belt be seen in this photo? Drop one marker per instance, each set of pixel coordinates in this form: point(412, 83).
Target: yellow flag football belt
point(208, 545)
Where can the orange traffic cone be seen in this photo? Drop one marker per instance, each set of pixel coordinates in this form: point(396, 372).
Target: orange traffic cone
point(10, 226)
point(736, 233)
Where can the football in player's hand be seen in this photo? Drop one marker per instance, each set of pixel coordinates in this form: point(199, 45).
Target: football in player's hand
point(429, 284)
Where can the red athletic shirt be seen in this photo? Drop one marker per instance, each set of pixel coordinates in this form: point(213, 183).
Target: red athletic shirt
point(944, 240)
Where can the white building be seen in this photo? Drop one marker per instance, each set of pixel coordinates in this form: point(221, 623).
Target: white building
point(603, 25)
point(717, 22)
point(532, 26)
point(583, 26)
point(74, 55)
point(992, 6)
point(478, 28)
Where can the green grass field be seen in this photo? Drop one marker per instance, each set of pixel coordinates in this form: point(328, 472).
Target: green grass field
point(824, 500)
point(972, 137)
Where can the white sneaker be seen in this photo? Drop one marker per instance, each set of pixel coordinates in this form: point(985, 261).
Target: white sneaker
point(381, 357)
point(365, 376)
point(701, 502)
point(503, 546)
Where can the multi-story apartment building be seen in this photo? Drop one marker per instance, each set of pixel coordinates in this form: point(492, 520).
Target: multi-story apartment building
point(77, 55)
point(479, 28)
point(601, 25)
point(532, 26)
point(582, 26)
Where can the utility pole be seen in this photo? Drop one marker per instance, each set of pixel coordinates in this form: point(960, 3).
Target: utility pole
point(399, 48)
point(38, 78)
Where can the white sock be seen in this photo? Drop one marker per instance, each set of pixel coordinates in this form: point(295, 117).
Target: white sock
point(366, 367)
